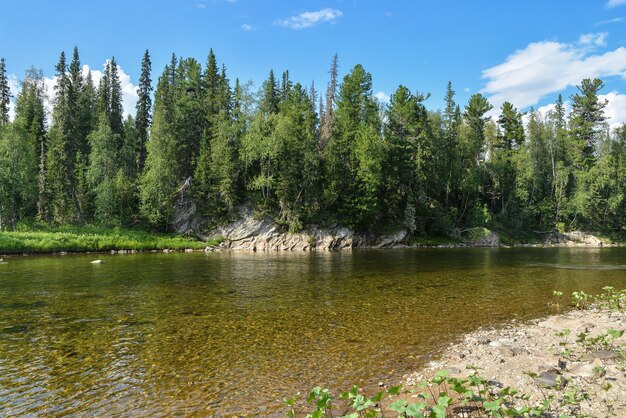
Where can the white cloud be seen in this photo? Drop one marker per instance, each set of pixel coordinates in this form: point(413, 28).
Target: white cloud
point(247, 28)
point(609, 21)
point(615, 3)
point(615, 111)
point(597, 39)
point(129, 90)
point(14, 87)
point(467, 89)
point(546, 67)
point(308, 19)
point(382, 97)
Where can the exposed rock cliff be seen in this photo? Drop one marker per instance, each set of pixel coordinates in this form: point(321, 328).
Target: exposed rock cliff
point(248, 233)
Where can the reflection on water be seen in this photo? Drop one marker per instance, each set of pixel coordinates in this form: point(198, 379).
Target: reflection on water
point(198, 334)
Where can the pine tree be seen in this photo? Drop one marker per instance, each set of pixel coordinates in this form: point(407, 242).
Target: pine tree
point(5, 94)
point(408, 140)
point(143, 109)
point(160, 178)
point(31, 117)
point(211, 86)
point(270, 95)
point(587, 118)
point(116, 110)
point(353, 154)
point(63, 147)
point(328, 119)
point(285, 86)
point(511, 127)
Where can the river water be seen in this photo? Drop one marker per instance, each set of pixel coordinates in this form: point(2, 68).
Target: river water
point(234, 333)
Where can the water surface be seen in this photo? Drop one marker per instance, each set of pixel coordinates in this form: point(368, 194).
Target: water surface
point(234, 333)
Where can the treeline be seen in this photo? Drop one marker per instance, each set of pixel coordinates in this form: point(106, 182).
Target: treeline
point(301, 156)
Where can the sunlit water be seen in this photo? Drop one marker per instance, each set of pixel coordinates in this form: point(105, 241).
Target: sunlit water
point(234, 333)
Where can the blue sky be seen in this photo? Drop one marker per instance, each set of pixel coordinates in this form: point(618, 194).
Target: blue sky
point(525, 52)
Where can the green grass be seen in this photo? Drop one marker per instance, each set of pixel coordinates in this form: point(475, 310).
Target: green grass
point(47, 239)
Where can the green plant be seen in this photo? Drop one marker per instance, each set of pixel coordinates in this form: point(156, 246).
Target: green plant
point(580, 300)
point(612, 300)
point(557, 299)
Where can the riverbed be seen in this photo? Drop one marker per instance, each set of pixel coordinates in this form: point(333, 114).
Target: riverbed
point(235, 333)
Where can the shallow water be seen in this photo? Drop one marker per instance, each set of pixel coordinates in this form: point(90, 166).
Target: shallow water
point(235, 333)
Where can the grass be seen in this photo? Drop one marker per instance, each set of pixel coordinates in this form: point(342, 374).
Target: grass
point(48, 239)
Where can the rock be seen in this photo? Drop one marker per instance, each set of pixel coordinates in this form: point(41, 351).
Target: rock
point(592, 370)
point(263, 234)
point(573, 239)
point(551, 378)
point(62, 252)
point(606, 355)
point(97, 262)
point(188, 250)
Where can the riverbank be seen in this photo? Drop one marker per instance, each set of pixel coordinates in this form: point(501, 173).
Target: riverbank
point(250, 234)
point(568, 364)
point(575, 361)
point(43, 239)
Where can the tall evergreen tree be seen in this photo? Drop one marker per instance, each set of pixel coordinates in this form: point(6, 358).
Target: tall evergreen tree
point(270, 97)
point(143, 109)
point(407, 136)
point(328, 119)
point(64, 140)
point(586, 118)
point(30, 115)
point(160, 179)
point(5, 94)
point(353, 153)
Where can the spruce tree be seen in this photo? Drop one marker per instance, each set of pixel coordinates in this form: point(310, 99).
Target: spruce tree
point(5, 94)
point(353, 154)
point(587, 118)
point(31, 117)
point(270, 96)
point(160, 178)
point(63, 142)
point(327, 124)
point(143, 109)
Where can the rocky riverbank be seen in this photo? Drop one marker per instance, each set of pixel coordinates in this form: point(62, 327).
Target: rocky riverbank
point(578, 357)
point(250, 233)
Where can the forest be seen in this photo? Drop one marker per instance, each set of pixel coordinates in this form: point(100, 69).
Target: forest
point(337, 156)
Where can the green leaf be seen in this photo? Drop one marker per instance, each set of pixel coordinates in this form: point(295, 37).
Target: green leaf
point(399, 406)
point(615, 333)
point(394, 390)
point(415, 409)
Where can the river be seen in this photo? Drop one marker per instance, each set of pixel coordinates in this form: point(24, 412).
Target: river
point(234, 333)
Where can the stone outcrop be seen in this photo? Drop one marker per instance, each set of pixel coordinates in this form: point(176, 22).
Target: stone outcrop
point(574, 239)
point(263, 234)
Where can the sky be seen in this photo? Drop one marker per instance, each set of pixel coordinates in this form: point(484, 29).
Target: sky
point(524, 52)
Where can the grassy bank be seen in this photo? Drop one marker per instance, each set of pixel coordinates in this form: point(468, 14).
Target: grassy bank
point(46, 239)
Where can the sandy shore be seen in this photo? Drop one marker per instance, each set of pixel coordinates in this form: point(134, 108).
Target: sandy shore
point(594, 372)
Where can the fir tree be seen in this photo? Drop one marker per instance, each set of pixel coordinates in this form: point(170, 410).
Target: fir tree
point(143, 109)
point(5, 94)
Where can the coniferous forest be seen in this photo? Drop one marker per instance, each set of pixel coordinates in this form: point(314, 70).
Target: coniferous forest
point(334, 156)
